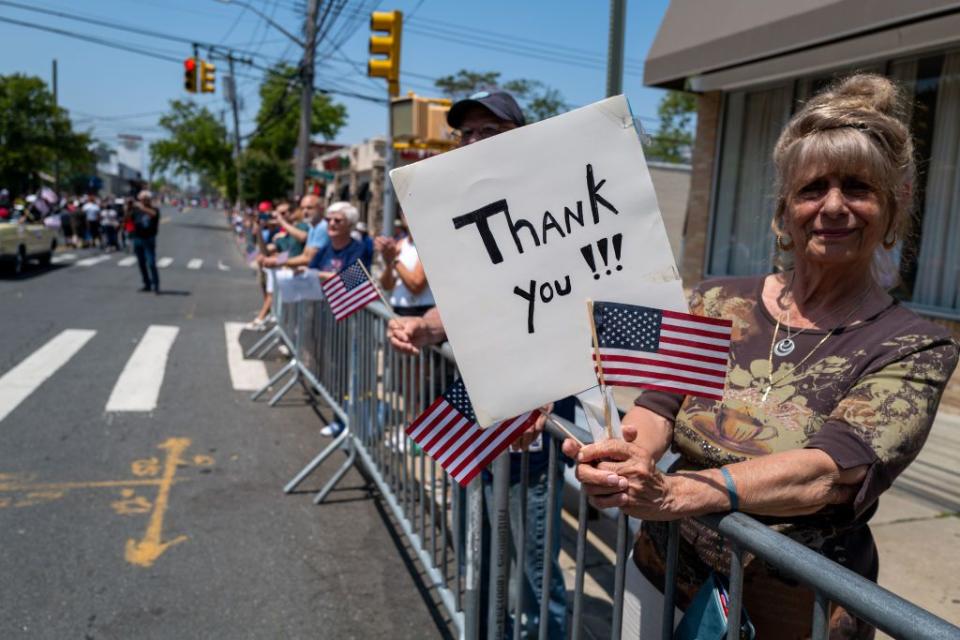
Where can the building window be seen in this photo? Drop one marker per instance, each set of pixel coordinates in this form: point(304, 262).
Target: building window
point(742, 242)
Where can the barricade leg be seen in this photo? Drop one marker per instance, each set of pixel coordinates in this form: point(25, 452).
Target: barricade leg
point(267, 337)
point(474, 548)
point(342, 471)
point(499, 546)
point(287, 368)
point(316, 462)
point(620, 575)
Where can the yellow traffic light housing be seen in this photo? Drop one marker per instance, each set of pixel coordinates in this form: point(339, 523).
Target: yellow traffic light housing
point(208, 77)
point(190, 75)
point(390, 23)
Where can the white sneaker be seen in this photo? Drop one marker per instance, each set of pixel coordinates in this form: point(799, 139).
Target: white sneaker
point(283, 350)
point(332, 430)
point(255, 325)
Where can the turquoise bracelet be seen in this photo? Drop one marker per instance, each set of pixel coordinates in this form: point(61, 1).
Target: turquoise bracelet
point(731, 489)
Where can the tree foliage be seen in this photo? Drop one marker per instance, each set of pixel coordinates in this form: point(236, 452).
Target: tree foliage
point(537, 100)
point(278, 121)
point(674, 137)
point(196, 143)
point(34, 132)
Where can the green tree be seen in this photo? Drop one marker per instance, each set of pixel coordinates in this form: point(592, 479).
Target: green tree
point(537, 100)
point(265, 177)
point(196, 143)
point(278, 120)
point(674, 137)
point(34, 132)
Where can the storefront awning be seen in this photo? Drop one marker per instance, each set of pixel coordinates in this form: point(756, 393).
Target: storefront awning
point(702, 37)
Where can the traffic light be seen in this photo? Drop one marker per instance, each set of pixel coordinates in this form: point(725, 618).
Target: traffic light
point(190, 75)
point(390, 23)
point(208, 77)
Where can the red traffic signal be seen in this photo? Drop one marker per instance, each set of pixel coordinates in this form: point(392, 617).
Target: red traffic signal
point(190, 75)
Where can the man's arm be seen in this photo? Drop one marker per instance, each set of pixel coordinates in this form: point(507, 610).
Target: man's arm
point(408, 334)
point(293, 230)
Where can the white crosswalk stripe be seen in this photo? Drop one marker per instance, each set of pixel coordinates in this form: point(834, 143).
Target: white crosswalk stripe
point(17, 384)
point(129, 261)
point(246, 375)
point(164, 262)
point(63, 257)
point(138, 387)
point(92, 260)
point(194, 263)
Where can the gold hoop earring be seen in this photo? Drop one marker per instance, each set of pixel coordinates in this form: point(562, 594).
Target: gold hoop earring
point(783, 246)
point(890, 244)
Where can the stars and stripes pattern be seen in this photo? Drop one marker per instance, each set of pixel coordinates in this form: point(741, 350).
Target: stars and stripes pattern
point(349, 291)
point(662, 350)
point(449, 433)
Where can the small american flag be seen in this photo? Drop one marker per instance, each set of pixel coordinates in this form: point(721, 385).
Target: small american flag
point(349, 291)
point(662, 350)
point(449, 433)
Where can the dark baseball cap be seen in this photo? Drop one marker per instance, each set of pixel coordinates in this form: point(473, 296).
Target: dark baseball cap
point(499, 103)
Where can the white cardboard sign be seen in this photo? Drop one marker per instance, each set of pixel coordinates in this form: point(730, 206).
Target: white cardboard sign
point(516, 232)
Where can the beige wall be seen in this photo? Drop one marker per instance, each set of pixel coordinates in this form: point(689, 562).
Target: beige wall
point(672, 184)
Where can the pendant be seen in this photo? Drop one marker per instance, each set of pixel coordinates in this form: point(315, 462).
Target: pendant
point(766, 392)
point(785, 347)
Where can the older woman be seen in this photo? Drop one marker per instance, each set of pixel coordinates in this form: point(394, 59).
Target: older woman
point(342, 250)
point(832, 385)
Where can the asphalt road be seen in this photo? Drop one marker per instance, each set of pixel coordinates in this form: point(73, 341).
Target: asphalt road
point(170, 522)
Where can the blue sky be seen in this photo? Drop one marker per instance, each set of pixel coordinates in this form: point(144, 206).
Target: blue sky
point(118, 92)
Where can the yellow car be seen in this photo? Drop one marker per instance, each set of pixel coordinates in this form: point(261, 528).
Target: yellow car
point(21, 240)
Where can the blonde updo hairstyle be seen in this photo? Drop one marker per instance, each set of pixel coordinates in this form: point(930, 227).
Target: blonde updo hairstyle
point(855, 127)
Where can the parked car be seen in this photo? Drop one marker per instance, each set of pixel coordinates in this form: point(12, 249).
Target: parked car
point(21, 241)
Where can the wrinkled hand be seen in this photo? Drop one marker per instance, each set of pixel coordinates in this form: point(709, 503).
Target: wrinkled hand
point(621, 474)
point(407, 334)
point(527, 437)
point(387, 248)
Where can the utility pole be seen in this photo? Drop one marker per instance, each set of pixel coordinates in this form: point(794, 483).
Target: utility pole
point(232, 96)
point(618, 14)
point(306, 98)
point(56, 143)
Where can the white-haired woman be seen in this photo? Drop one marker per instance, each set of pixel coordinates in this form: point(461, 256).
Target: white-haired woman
point(832, 388)
point(342, 250)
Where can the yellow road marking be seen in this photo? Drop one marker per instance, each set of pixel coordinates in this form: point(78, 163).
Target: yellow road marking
point(10, 487)
point(144, 552)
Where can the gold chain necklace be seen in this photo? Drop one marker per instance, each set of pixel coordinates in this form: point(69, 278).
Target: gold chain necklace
point(770, 381)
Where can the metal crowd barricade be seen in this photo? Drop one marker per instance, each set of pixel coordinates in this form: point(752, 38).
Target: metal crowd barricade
point(375, 392)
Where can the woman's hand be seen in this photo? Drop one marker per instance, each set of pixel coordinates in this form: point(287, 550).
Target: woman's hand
point(387, 248)
point(622, 474)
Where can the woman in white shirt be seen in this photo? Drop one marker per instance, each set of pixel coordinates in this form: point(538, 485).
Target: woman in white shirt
point(404, 277)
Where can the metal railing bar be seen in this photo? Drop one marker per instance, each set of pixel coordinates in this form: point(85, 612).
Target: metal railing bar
point(619, 576)
point(868, 601)
point(577, 620)
point(499, 547)
point(736, 592)
point(520, 544)
point(821, 615)
point(670, 581)
point(548, 541)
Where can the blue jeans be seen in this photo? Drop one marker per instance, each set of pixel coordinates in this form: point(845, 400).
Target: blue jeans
point(146, 250)
point(538, 510)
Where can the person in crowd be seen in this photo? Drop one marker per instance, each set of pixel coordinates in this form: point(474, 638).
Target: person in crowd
point(146, 225)
point(91, 213)
point(265, 229)
point(5, 206)
point(293, 231)
point(78, 222)
point(110, 224)
point(126, 227)
point(833, 384)
point(361, 233)
point(317, 237)
point(481, 116)
point(342, 250)
point(403, 276)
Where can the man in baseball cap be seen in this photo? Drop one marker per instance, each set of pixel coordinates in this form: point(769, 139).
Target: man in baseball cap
point(483, 115)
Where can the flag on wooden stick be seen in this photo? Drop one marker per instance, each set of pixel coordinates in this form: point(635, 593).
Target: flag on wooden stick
point(449, 433)
point(349, 291)
point(662, 350)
